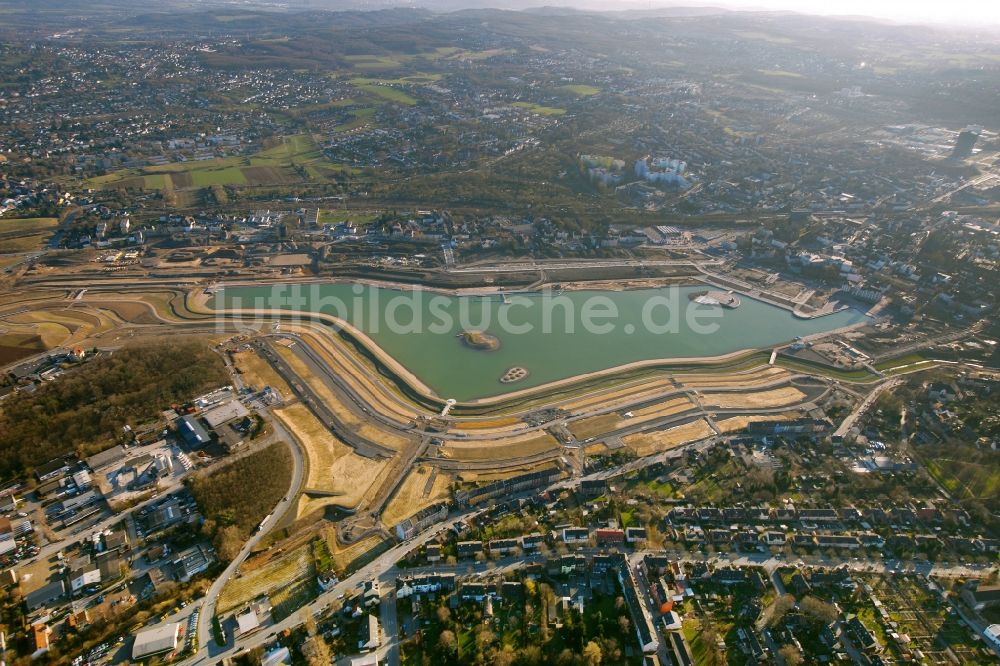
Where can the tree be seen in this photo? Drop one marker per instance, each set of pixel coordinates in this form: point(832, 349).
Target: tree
point(447, 641)
point(228, 542)
point(316, 652)
point(779, 608)
point(790, 655)
point(504, 657)
point(592, 654)
point(710, 639)
point(565, 658)
point(443, 614)
point(819, 610)
point(483, 639)
point(531, 655)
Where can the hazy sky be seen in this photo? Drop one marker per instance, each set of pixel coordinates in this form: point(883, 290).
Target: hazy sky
point(965, 12)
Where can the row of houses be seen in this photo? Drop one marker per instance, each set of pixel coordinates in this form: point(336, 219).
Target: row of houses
point(506, 487)
point(477, 591)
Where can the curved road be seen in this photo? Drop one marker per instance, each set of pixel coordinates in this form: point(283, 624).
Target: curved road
point(206, 641)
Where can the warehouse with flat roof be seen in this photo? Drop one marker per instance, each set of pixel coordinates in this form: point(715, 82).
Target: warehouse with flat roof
point(160, 639)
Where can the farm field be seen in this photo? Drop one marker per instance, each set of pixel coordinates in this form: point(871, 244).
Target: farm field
point(384, 90)
point(10, 225)
point(292, 159)
point(26, 238)
point(580, 89)
point(540, 109)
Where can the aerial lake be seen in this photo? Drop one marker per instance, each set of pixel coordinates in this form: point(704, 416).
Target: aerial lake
point(547, 337)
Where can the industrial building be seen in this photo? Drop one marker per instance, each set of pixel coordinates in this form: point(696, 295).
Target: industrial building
point(161, 639)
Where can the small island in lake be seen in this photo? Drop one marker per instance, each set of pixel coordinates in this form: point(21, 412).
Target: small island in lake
point(514, 374)
point(480, 340)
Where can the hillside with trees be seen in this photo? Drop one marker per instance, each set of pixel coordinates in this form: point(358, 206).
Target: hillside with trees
point(236, 497)
point(85, 410)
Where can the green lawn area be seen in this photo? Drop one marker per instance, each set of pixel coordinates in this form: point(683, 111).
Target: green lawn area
point(384, 91)
point(538, 108)
point(298, 147)
point(441, 52)
point(374, 61)
point(362, 117)
point(817, 369)
point(271, 166)
point(328, 216)
point(780, 72)
point(580, 89)
point(23, 243)
point(870, 619)
point(692, 634)
point(965, 478)
point(8, 225)
point(25, 234)
point(224, 176)
point(481, 55)
point(662, 489)
point(901, 360)
point(156, 181)
point(420, 78)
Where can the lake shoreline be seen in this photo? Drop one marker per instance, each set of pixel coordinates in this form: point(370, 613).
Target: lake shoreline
point(421, 375)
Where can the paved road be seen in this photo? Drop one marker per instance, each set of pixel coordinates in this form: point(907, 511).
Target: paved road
point(206, 641)
point(865, 405)
point(557, 265)
point(384, 568)
point(317, 405)
point(54, 547)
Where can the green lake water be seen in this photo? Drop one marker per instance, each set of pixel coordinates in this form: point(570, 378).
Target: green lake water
point(553, 336)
